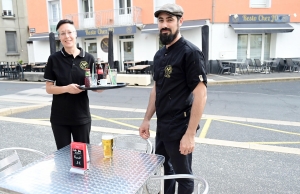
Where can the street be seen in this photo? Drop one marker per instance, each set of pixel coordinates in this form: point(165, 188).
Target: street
point(248, 141)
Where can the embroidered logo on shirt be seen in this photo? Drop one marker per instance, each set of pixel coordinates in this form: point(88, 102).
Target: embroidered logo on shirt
point(83, 65)
point(168, 71)
point(200, 77)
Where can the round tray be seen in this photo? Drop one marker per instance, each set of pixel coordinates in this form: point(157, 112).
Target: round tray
point(107, 87)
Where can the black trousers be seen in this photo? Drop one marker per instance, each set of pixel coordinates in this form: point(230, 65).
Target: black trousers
point(62, 134)
point(175, 163)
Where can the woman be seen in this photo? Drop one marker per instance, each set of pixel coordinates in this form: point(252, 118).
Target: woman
point(64, 72)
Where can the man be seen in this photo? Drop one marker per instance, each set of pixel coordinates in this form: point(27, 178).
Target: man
point(178, 97)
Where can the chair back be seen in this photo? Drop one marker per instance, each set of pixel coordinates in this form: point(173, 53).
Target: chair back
point(257, 62)
point(133, 142)
point(275, 63)
point(220, 63)
point(201, 185)
point(289, 62)
point(11, 162)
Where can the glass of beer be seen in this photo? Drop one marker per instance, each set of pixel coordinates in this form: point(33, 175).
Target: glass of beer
point(107, 143)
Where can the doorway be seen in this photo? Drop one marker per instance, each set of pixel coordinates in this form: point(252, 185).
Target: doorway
point(91, 47)
point(254, 46)
point(126, 51)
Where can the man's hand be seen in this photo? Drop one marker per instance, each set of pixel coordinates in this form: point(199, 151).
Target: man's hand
point(144, 130)
point(187, 144)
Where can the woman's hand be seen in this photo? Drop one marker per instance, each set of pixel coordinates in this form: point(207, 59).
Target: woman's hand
point(98, 91)
point(73, 89)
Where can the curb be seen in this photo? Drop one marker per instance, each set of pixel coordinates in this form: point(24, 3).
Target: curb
point(244, 81)
point(14, 110)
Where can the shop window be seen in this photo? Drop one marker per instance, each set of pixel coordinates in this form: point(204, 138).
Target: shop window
point(7, 9)
point(260, 3)
point(11, 42)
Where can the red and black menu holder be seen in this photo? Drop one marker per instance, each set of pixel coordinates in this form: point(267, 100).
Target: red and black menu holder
point(79, 158)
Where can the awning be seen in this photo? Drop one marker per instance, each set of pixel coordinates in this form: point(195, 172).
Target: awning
point(262, 28)
point(41, 37)
point(187, 25)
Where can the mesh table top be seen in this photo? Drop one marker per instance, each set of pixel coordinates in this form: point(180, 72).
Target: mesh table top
point(126, 172)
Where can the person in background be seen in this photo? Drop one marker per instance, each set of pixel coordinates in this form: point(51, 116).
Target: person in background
point(64, 72)
point(178, 97)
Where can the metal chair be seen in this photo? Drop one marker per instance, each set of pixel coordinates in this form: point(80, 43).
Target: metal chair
point(134, 142)
point(290, 65)
point(11, 162)
point(258, 65)
point(243, 65)
point(201, 186)
point(222, 67)
point(274, 66)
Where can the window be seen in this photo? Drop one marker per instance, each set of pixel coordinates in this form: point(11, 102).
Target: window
point(11, 42)
point(87, 8)
point(7, 8)
point(260, 3)
point(125, 7)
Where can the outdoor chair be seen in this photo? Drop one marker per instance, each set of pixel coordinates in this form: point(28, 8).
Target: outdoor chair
point(10, 160)
point(10, 71)
point(133, 142)
point(126, 66)
point(243, 66)
point(290, 65)
point(223, 67)
point(274, 66)
point(201, 185)
point(258, 65)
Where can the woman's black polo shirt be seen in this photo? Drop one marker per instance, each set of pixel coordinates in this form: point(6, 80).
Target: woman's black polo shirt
point(177, 71)
point(64, 69)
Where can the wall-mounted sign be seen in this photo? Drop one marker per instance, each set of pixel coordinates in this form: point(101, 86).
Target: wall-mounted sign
point(255, 18)
point(104, 44)
point(32, 30)
point(104, 31)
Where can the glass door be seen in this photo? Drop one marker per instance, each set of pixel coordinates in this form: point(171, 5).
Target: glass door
point(242, 46)
point(91, 47)
point(126, 51)
point(255, 46)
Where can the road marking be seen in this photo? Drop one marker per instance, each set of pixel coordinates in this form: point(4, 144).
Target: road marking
point(117, 122)
point(277, 143)
point(258, 127)
point(205, 128)
point(152, 135)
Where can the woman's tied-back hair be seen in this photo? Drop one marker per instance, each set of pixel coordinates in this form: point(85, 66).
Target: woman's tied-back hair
point(64, 21)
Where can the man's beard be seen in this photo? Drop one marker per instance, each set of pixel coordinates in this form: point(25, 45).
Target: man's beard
point(167, 38)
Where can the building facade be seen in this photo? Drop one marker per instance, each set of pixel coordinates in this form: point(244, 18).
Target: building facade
point(13, 31)
point(237, 29)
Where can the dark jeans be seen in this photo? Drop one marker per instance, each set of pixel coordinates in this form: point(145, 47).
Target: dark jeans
point(175, 163)
point(62, 134)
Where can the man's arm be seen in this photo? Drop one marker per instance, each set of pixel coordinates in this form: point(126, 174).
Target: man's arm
point(187, 142)
point(144, 128)
point(53, 89)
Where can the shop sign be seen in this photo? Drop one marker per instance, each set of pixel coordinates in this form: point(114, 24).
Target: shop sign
point(261, 18)
point(105, 31)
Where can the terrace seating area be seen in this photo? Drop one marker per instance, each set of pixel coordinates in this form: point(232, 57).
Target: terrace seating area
point(247, 66)
point(16, 70)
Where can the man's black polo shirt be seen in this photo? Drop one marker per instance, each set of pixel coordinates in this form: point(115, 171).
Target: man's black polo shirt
point(64, 69)
point(177, 71)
